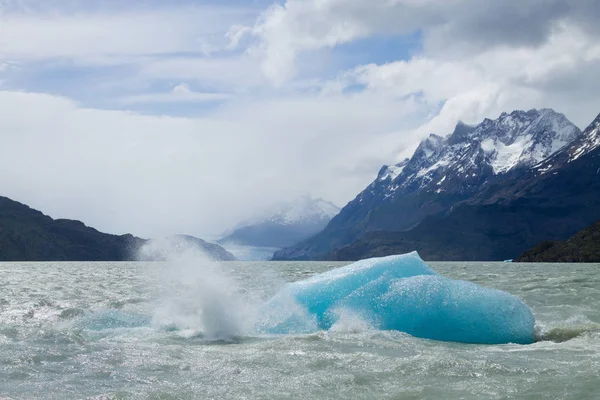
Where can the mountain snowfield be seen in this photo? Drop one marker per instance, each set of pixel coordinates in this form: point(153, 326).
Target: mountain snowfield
point(304, 209)
point(285, 224)
point(474, 153)
point(474, 164)
point(585, 143)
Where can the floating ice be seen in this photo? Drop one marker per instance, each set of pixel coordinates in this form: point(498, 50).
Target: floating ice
point(400, 293)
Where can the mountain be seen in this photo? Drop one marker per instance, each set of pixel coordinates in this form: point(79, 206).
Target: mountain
point(552, 200)
point(582, 247)
point(28, 235)
point(287, 225)
point(453, 188)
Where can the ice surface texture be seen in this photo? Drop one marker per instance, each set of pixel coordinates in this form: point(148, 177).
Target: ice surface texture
point(400, 293)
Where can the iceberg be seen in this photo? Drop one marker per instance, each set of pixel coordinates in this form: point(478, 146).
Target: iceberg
point(400, 293)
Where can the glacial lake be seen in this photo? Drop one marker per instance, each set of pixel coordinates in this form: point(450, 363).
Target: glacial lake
point(160, 331)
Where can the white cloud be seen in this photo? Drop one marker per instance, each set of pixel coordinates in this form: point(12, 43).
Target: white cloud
point(233, 73)
point(123, 172)
point(450, 28)
point(487, 83)
point(109, 35)
point(181, 93)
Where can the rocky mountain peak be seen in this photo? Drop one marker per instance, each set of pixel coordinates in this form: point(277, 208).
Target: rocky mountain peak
point(390, 172)
point(283, 224)
point(472, 153)
point(589, 141)
point(305, 208)
point(428, 147)
point(593, 129)
point(461, 133)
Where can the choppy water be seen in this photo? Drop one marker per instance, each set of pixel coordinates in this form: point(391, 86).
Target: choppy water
point(134, 331)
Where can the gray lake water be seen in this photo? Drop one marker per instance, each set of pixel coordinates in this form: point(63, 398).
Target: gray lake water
point(162, 331)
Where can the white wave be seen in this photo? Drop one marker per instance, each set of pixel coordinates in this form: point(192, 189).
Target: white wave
point(563, 331)
point(348, 321)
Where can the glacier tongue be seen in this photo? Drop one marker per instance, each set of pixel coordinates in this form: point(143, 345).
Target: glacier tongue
point(400, 293)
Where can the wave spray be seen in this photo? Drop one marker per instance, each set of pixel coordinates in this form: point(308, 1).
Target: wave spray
point(196, 295)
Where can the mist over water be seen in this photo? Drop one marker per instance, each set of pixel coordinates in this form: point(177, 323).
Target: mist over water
point(185, 329)
point(250, 253)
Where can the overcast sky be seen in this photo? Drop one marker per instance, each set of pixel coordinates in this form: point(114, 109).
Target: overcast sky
point(157, 117)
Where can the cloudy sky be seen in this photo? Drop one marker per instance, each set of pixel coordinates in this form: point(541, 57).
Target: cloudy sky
point(157, 117)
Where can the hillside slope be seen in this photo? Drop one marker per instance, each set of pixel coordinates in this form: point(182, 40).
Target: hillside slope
point(582, 247)
point(29, 235)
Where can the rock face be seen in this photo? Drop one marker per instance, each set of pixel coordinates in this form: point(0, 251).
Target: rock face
point(486, 192)
point(582, 247)
point(28, 235)
point(286, 226)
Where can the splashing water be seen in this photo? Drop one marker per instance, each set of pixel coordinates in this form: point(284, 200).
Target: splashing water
point(391, 293)
point(196, 296)
point(349, 321)
point(572, 328)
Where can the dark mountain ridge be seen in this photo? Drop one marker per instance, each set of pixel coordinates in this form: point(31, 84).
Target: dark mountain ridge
point(29, 235)
point(582, 247)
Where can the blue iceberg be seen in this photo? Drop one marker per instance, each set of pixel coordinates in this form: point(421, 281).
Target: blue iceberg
point(400, 293)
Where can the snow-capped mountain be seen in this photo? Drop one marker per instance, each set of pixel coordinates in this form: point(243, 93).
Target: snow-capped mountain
point(473, 154)
point(444, 171)
point(529, 207)
point(285, 225)
point(452, 168)
point(304, 209)
point(587, 142)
